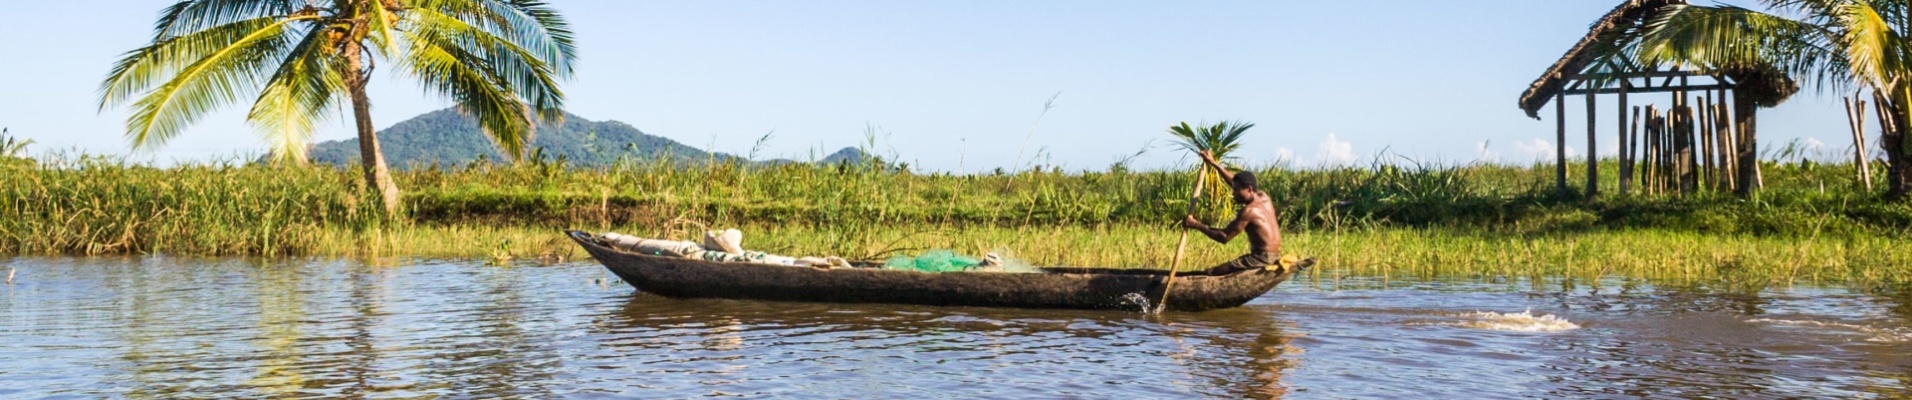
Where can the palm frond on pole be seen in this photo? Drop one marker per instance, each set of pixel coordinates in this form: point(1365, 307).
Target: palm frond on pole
point(1220, 139)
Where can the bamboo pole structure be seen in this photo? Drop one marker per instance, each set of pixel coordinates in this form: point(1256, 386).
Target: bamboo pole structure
point(1629, 144)
point(1856, 118)
point(1689, 174)
point(1706, 140)
point(1732, 139)
point(1726, 162)
point(1669, 146)
point(1688, 163)
point(1560, 144)
point(1659, 154)
point(1649, 155)
point(1593, 160)
point(1181, 246)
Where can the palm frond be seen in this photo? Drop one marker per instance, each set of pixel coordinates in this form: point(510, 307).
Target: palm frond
point(191, 16)
point(380, 22)
point(304, 91)
point(535, 25)
point(448, 69)
point(1727, 37)
point(219, 78)
point(520, 69)
point(528, 43)
point(1874, 52)
point(139, 69)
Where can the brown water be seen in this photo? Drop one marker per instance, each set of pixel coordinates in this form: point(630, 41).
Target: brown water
point(181, 328)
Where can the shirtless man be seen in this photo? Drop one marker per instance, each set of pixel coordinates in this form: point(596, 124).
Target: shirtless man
point(1257, 218)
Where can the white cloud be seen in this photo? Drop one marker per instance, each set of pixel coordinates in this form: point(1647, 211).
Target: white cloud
point(1541, 149)
point(1335, 151)
point(1487, 155)
point(1814, 145)
point(1284, 155)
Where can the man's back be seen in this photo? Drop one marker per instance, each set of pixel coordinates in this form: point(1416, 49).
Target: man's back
point(1264, 230)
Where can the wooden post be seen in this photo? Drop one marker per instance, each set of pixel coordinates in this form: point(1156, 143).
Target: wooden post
point(1746, 125)
point(1705, 114)
point(1706, 140)
point(1629, 140)
point(1731, 138)
point(1560, 144)
point(1650, 151)
point(1593, 160)
point(1689, 152)
point(1856, 118)
point(1689, 169)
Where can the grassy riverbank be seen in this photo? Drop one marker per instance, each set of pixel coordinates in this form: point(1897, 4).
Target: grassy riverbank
point(1472, 220)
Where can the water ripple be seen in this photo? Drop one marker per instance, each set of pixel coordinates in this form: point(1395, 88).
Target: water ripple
point(211, 328)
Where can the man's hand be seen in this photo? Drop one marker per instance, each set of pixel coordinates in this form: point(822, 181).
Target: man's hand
point(1191, 223)
point(1207, 156)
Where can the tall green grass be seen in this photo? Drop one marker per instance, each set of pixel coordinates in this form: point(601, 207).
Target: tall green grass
point(1392, 219)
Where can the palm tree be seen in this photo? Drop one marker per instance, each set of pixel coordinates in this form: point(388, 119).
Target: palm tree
point(1836, 45)
point(11, 147)
point(498, 60)
point(1220, 139)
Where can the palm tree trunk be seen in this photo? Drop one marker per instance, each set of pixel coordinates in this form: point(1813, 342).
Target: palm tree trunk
point(377, 176)
point(1892, 136)
point(1898, 165)
point(1746, 114)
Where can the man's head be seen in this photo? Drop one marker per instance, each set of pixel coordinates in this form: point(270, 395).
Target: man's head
point(1244, 185)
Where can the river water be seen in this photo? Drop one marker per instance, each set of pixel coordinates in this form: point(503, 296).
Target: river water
point(186, 328)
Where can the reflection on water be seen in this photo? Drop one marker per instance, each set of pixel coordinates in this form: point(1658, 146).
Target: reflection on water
point(173, 328)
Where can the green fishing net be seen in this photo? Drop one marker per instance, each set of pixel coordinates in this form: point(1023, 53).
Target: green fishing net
point(932, 261)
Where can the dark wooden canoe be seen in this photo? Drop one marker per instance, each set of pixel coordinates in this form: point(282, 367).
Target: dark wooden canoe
point(1083, 288)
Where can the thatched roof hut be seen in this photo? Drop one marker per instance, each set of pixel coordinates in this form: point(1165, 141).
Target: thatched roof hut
point(1605, 31)
point(1697, 141)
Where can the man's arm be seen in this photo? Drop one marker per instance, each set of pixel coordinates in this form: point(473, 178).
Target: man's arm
point(1226, 233)
point(1217, 165)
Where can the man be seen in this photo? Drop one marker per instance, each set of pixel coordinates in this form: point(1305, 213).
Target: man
point(1257, 218)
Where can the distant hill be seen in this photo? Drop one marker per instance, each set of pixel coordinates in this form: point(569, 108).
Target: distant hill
point(445, 137)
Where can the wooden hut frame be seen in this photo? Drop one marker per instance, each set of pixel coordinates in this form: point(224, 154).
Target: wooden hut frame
point(1684, 149)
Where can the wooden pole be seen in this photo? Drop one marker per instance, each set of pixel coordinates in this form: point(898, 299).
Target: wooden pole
point(1629, 140)
point(1201, 175)
point(1705, 114)
point(1731, 138)
point(1706, 140)
point(1856, 117)
point(1668, 179)
point(1593, 161)
point(1560, 144)
point(1726, 164)
point(1650, 149)
point(1683, 147)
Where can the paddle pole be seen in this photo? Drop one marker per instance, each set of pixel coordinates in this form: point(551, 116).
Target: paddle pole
point(1201, 175)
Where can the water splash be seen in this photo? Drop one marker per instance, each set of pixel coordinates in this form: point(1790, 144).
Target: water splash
point(1873, 333)
point(1524, 321)
point(1140, 300)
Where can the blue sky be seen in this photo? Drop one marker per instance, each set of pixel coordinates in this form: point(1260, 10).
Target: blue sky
point(958, 85)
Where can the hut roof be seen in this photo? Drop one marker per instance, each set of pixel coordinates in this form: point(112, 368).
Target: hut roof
point(1577, 58)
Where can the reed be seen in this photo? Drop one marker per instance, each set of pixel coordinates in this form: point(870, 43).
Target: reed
point(1813, 221)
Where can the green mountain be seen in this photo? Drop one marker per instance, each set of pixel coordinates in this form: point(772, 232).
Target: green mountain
point(445, 137)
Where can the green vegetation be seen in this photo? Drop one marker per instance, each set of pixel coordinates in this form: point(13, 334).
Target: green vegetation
point(498, 61)
point(1384, 219)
